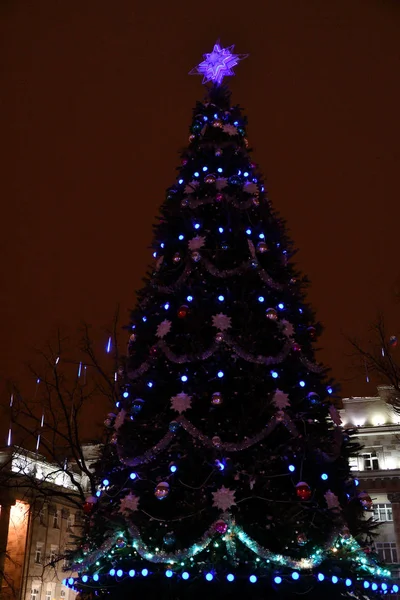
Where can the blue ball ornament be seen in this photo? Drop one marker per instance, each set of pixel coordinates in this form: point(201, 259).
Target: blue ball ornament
point(169, 539)
point(174, 426)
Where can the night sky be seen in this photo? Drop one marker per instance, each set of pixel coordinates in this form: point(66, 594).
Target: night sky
point(95, 104)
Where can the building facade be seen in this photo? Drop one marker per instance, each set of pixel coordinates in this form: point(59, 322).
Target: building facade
point(35, 529)
point(377, 468)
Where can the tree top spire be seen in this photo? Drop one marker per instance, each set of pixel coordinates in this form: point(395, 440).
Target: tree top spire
point(218, 64)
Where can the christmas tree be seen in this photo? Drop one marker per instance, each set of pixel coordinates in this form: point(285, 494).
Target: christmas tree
point(227, 472)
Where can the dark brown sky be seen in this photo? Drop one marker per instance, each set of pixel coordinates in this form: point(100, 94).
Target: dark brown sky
point(95, 103)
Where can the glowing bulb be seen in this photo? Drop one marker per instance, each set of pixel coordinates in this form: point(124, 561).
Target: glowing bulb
point(356, 482)
point(302, 383)
point(221, 298)
point(395, 588)
point(112, 572)
point(295, 575)
point(166, 305)
point(219, 170)
point(144, 319)
point(221, 229)
point(185, 575)
point(321, 576)
point(106, 482)
point(189, 298)
point(132, 573)
point(261, 236)
point(150, 384)
point(274, 374)
point(125, 394)
point(133, 476)
point(348, 582)
point(245, 174)
point(145, 572)
point(173, 468)
point(85, 578)
point(281, 306)
point(261, 298)
point(230, 577)
point(248, 231)
point(184, 378)
point(95, 577)
point(168, 573)
point(292, 468)
point(205, 169)
point(324, 476)
point(120, 573)
point(278, 580)
point(98, 494)
point(329, 390)
point(180, 181)
point(220, 374)
point(334, 579)
point(384, 586)
point(209, 576)
point(196, 174)
point(181, 237)
point(197, 225)
point(252, 579)
point(374, 587)
point(71, 581)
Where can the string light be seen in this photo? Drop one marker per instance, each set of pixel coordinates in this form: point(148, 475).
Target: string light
point(168, 573)
point(230, 577)
point(209, 576)
point(278, 580)
point(145, 572)
point(185, 575)
point(295, 575)
point(131, 573)
point(252, 579)
point(120, 573)
point(274, 374)
point(184, 378)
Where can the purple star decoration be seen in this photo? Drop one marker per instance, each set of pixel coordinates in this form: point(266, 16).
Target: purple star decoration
point(218, 64)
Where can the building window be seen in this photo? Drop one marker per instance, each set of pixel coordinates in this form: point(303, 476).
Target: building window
point(38, 553)
point(53, 553)
point(353, 463)
point(70, 522)
point(383, 512)
point(55, 520)
point(42, 516)
point(62, 594)
point(34, 594)
point(387, 551)
point(48, 595)
point(370, 461)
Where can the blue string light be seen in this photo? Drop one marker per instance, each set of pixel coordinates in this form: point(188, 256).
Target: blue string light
point(166, 305)
point(209, 576)
point(281, 306)
point(85, 578)
point(185, 575)
point(205, 169)
point(189, 298)
point(366, 584)
point(302, 383)
point(374, 587)
point(324, 476)
point(180, 181)
point(184, 378)
point(71, 581)
point(125, 394)
point(245, 174)
point(261, 298)
point(150, 384)
point(334, 579)
point(348, 582)
point(120, 573)
point(292, 468)
point(321, 576)
point(181, 237)
point(112, 572)
point(220, 374)
point(274, 374)
point(253, 579)
point(261, 236)
point(248, 231)
point(230, 577)
point(329, 390)
point(173, 468)
point(196, 174)
point(395, 588)
point(221, 229)
point(278, 580)
point(168, 573)
point(295, 575)
point(145, 572)
point(197, 225)
point(219, 170)
point(96, 577)
point(384, 586)
point(221, 298)
point(144, 319)
point(133, 476)
point(132, 573)
point(106, 482)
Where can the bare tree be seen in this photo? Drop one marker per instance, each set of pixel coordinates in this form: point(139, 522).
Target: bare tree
point(54, 437)
point(378, 358)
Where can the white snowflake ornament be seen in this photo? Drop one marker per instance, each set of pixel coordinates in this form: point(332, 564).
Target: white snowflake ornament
point(335, 416)
point(332, 501)
point(287, 328)
point(190, 187)
point(181, 402)
point(197, 242)
point(129, 503)
point(280, 400)
point(230, 129)
point(163, 328)
point(119, 419)
point(220, 184)
point(221, 321)
point(224, 498)
point(250, 187)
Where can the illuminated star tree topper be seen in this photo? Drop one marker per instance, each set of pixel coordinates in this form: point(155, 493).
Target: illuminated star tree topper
point(218, 64)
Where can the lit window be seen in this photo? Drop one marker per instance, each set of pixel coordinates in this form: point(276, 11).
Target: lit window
point(383, 512)
point(55, 520)
point(38, 553)
point(387, 551)
point(353, 463)
point(70, 522)
point(370, 460)
point(34, 594)
point(48, 595)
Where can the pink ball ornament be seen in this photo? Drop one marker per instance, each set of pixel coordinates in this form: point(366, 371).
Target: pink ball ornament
point(221, 527)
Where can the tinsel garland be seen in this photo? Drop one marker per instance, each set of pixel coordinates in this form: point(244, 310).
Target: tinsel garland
point(234, 532)
point(228, 341)
point(208, 442)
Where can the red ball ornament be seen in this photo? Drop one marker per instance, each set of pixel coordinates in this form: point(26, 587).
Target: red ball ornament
point(183, 311)
point(312, 332)
point(303, 490)
point(89, 504)
point(221, 527)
